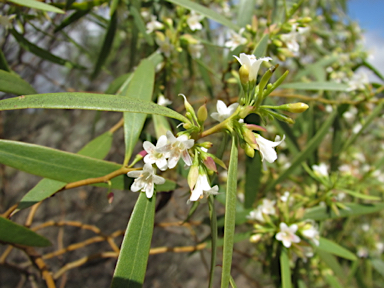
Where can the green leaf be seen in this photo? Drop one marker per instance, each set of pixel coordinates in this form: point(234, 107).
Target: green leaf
point(230, 214)
point(132, 262)
point(117, 83)
point(71, 19)
point(107, 45)
point(261, 47)
point(353, 209)
point(325, 86)
point(80, 6)
point(245, 12)
point(3, 63)
point(333, 248)
point(232, 282)
point(13, 233)
point(213, 218)
point(88, 101)
point(141, 25)
point(11, 83)
point(44, 54)
point(332, 263)
point(378, 265)
point(360, 195)
point(252, 180)
point(373, 69)
point(140, 88)
point(332, 281)
point(206, 12)
point(285, 269)
point(37, 5)
point(303, 155)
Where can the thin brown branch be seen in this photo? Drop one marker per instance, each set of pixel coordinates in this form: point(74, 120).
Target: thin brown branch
point(78, 224)
point(181, 249)
point(40, 264)
point(9, 212)
point(31, 214)
point(5, 254)
point(117, 125)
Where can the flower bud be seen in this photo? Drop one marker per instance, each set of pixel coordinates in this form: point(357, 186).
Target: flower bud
point(297, 107)
point(192, 176)
point(254, 127)
point(202, 114)
point(255, 238)
point(188, 106)
point(206, 145)
point(210, 163)
point(244, 74)
point(249, 137)
point(249, 151)
point(187, 126)
point(110, 197)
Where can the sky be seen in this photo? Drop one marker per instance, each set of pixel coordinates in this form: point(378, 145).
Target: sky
point(369, 15)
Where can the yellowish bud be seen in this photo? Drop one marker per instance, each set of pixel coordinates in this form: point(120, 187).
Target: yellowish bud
point(202, 114)
point(244, 75)
point(249, 150)
point(297, 107)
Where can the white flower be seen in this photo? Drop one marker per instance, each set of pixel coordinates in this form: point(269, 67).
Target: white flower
point(176, 148)
point(310, 232)
point(256, 214)
point(235, 40)
point(358, 81)
point(320, 170)
point(362, 252)
point(287, 234)
point(285, 197)
point(193, 21)
point(154, 156)
point(356, 129)
point(268, 207)
point(202, 188)
point(223, 112)
point(145, 181)
point(161, 100)
point(165, 46)
point(266, 148)
point(195, 50)
point(252, 64)
point(154, 25)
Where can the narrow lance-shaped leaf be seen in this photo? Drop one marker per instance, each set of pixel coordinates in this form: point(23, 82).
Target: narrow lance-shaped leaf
point(71, 19)
point(326, 86)
point(107, 45)
point(252, 180)
point(285, 269)
point(230, 214)
point(261, 47)
point(206, 12)
point(44, 54)
point(245, 12)
point(141, 25)
point(13, 233)
point(333, 248)
point(11, 83)
point(132, 262)
point(98, 148)
point(37, 5)
point(88, 101)
point(140, 88)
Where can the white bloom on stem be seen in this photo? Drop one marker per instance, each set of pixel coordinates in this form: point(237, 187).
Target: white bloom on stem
point(287, 234)
point(256, 214)
point(223, 112)
point(268, 207)
point(310, 232)
point(145, 180)
point(193, 21)
point(292, 38)
point(154, 25)
point(252, 64)
point(154, 156)
point(358, 81)
point(161, 100)
point(285, 196)
point(320, 170)
point(165, 46)
point(235, 40)
point(266, 148)
point(176, 148)
point(202, 188)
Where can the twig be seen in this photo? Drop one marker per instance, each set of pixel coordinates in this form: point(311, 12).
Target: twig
point(117, 125)
point(31, 214)
point(8, 213)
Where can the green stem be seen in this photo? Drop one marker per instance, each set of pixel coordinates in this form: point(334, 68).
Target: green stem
point(212, 215)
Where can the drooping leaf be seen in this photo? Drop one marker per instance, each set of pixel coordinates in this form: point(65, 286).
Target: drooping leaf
point(206, 12)
point(37, 5)
point(13, 233)
point(11, 83)
point(140, 88)
point(88, 101)
point(44, 54)
point(230, 214)
point(71, 19)
point(107, 45)
point(132, 262)
point(141, 25)
point(333, 248)
point(353, 209)
point(326, 86)
point(285, 270)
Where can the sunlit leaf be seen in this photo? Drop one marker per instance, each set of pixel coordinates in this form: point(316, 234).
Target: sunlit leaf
point(333, 248)
point(245, 12)
point(326, 86)
point(261, 47)
point(37, 5)
point(285, 269)
point(88, 101)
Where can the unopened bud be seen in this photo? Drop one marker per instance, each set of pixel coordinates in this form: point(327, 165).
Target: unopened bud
point(210, 164)
point(249, 151)
point(306, 19)
point(206, 145)
point(255, 238)
point(192, 176)
point(249, 137)
point(202, 114)
point(297, 107)
point(254, 127)
point(110, 197)
point(188, 106)
point(244, 74)
point(187, 126)
point(277, 43)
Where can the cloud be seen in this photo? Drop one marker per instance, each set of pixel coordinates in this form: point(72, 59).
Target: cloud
point(374, 43)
